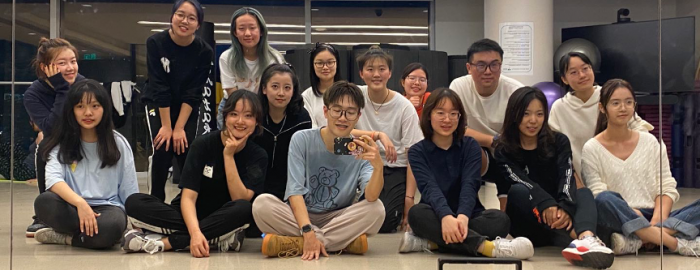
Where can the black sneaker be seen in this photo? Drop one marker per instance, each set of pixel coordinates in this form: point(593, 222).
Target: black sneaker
point(36, 225)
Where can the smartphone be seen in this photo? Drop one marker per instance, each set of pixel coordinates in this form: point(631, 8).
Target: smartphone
point(346, 146)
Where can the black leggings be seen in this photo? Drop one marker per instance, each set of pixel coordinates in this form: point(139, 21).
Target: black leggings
point(524, 222)
point(162, 159)
point(488, 225)
point(58, 214)
point(150, 213)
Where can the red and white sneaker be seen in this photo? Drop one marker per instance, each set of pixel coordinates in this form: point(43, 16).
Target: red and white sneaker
point(589, 252)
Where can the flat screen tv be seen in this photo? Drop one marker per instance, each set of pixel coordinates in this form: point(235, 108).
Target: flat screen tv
point(631, 51)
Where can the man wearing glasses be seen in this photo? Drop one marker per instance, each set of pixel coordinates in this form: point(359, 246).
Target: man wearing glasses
point(484, 93)
point(321, 214)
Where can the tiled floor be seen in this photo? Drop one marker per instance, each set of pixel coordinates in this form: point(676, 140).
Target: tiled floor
point(28, 254)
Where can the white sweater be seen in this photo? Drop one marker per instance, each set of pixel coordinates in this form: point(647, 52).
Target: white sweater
point(577, 120)
point(636, 178)
point(314, 105)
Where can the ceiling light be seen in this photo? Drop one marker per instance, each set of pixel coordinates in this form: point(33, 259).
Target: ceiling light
point(314, 9)
point(369, 34)
point(86, 5)
point(31, 34)
point(272, 25)
point(224, 41)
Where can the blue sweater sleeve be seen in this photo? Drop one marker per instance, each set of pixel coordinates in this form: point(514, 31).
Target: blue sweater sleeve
point(128, 184)
point(427, 184)
point(471, 176)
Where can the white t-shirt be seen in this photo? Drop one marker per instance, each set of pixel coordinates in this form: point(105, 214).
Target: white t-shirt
point(398, 119)
point(578, 119)
point(485, 114)
point(229, 79)
point(314, 105)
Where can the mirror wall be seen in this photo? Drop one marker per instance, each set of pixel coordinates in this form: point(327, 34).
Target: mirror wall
point(657, 50)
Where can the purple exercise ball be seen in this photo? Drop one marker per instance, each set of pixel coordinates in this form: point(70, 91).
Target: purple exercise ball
point(551, 90)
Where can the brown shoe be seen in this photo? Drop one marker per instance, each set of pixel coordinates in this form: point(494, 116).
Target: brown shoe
point(282, 246)
point(358, 246)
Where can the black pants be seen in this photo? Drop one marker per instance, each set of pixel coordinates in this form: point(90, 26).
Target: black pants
point(162, 159)
point(494, 175)
point(392, 195)
point(40, 167)
point(149, 212)
point(488, 225)
point(58, 214)
point(524, 222)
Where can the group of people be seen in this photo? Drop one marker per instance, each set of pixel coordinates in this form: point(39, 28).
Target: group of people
point(320, 170)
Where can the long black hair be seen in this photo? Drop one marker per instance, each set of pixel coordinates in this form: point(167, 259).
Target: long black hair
point(605, 94)
point(515, 111)
point(67, 134)
point(321, 47)
point(296, 103)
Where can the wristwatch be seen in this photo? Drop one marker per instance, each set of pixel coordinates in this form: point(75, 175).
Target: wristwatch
point(306, 228)
point(495, 141)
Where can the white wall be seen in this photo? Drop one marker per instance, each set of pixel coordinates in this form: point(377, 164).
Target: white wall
point(458, 23)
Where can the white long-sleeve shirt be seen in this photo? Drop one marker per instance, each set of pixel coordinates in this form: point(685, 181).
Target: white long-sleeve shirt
point(637, 178)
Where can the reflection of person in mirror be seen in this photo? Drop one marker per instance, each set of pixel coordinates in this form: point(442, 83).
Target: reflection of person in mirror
point(633, 194)
point(88, 177)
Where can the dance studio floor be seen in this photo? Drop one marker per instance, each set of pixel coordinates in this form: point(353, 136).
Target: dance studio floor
point(28, 254)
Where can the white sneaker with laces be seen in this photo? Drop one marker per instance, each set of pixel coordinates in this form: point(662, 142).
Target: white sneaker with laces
point(589, 252)
point(689, 247)
point(136, 241)
point(518, 248)
point(622, 245)
point(49, 236)
point(411, 243)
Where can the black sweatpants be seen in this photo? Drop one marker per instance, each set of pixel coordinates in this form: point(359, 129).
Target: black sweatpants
point(40, 167)
point(488, 225)
point(162, 159)
point(392, 195)
point(524, 222)
point(58, 214)
point(150, 213)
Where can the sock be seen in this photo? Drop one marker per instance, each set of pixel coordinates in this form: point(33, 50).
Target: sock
point(488, 249)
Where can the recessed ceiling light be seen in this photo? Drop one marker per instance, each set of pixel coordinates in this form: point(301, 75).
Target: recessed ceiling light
point(425, 11)
point(315, 9)
point(86, 5)
point(83, 50)
point(31, 34)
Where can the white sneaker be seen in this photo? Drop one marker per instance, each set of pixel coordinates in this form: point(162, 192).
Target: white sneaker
point(230, 241)
point(589, 252)
point(135, 241)
point(518, 248)
point(689, 247)
point(622, 245)
point(411, 243)
point(49, 236)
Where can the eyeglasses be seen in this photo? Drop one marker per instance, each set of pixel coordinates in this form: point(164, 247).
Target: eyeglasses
point(320, 64)
point(576, 72)
point(414, 78)
point(440, 115)
point(181, 16)
point(350, 114)
point(495, 66)
point(617, 104)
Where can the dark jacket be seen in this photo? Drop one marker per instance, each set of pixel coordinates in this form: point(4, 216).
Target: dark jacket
point(45, 103)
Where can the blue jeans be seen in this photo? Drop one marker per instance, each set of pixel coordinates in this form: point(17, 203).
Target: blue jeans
point(615, 214)
point(220, 114)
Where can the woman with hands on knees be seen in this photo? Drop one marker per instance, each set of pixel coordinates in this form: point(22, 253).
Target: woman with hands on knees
point(88, 176)
point(178, 63)
point(447, 167)
point(544, 203)
point(633, 194)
